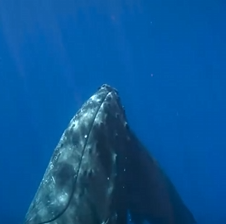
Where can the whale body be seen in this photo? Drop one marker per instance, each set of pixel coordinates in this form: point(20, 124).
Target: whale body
point(100, 171)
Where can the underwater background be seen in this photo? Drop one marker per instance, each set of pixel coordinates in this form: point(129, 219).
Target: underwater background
point(166, 58)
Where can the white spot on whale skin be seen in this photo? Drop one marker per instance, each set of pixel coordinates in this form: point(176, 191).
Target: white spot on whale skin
point(63, 197)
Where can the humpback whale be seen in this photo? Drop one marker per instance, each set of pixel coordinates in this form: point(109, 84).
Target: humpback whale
point(100, 171)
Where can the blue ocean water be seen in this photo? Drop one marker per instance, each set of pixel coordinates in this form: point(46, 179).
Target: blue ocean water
point(166, 58)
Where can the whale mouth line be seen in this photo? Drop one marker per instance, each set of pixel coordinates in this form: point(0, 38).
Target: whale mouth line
point(80, 162)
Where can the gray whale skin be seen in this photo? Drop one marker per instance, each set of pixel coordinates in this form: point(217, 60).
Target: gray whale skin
point(100, 171)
